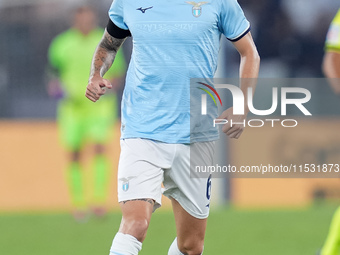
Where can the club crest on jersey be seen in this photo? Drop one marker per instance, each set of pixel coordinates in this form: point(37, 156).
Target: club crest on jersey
point(196, 8)
point(125, 185)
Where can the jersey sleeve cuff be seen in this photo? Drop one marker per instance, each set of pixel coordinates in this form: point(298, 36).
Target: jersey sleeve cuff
point(117, 32)
point(240, 36)
point(330, 48)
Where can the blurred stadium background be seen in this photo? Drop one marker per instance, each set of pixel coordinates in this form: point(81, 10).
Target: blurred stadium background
point(250, 216)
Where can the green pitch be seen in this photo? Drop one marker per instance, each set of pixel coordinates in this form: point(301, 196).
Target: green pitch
point(234, 232)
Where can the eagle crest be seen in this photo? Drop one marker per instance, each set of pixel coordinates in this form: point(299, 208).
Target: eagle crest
point(196, 8)
point(196, 4)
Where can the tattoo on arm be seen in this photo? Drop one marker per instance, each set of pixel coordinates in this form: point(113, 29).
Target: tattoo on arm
point(105, 54)
point(149, 200)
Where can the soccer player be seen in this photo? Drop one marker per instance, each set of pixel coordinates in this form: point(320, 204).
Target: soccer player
point(331, 68)
point(331, 63)
point(173, 41)
point(79, 121)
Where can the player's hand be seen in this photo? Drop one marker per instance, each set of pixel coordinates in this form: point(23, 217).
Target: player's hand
point(96, 88)
point(235, 130)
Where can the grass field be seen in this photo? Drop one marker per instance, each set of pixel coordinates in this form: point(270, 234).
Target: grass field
point(234, 232)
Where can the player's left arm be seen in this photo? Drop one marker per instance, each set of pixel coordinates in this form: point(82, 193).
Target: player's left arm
point(249, 69)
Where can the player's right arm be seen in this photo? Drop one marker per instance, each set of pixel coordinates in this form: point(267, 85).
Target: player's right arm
point(249, 70)
point(102, 60)
point(331, 61)
point(331, 64)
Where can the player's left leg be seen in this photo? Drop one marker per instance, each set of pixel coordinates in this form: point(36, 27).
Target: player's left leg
point(190, 196)
point(99, 123)
point(101, 166)
point(190, 232)
point(71, 133)
point(75, 181)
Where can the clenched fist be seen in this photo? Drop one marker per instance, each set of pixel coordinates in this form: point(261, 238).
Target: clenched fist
point(96, 88)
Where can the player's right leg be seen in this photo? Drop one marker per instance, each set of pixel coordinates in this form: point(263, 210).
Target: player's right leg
point(133, 227)
point(99, 123)
point(102, 167)
point(71, 135)
point(140, 176)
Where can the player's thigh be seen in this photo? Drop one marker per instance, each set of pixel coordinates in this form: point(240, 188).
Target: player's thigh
point(181, 183)
point(99, 130)
point(100, 119)
point(186, 224)
point(140, 174)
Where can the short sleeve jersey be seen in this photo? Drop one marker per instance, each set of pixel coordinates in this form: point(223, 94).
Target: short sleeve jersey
point(173, 41)
point(333, 35)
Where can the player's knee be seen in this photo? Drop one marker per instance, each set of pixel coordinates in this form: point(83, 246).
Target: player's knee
point(136, 228)
point(191, 247)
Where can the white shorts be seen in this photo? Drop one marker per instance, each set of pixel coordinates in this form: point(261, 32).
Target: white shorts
point(144, 164)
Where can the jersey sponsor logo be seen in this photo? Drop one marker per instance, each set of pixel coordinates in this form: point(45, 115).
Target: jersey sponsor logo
point(196, 8)
point(143, 10)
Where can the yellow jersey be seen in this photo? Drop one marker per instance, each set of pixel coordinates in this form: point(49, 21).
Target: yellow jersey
point(333, 35)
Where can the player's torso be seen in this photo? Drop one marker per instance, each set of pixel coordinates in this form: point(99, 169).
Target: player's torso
point(77, 51)
point(173, 41)
point(173, 30)
point(171, 19)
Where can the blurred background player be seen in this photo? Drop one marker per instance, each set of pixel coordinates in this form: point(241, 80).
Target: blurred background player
point(331, 68)
point(331, 63)
point(79, 121)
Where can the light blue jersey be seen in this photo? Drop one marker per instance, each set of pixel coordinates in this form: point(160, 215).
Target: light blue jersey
point(173, 41)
